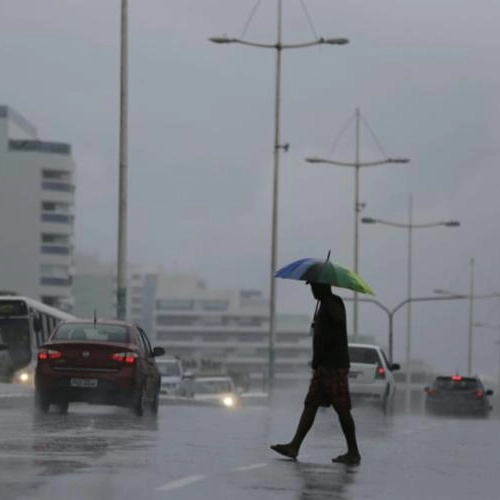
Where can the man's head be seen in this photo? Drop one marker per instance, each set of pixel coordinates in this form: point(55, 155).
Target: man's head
point(320, 290)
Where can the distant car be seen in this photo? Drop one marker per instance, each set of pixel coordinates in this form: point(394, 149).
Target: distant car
point(219, 390)
point(456, 395)
point(103, 362)
point(370, 376)
point(173, 377)
point(5, 362)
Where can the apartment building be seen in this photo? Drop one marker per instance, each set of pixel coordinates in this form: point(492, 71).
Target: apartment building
point(37, 193)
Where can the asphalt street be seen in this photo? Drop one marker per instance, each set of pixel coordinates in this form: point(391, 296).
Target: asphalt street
point(191, 453)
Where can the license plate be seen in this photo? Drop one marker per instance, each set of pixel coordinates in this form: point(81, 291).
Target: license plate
point(353, 374)
point(83, 382)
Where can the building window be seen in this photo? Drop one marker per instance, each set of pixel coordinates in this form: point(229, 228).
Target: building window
point(213, 305)
point(175, 305)
point(55, 281)
point(56, 175)
point(56, 238)
point(54, 271)
point(176, 320)
point(58, 186)
point(58, 218)
point(55, 250)
point(56, 206)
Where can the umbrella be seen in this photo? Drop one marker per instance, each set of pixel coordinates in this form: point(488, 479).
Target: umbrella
point(326, 272)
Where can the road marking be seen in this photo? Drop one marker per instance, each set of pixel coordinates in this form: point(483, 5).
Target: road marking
point(251, 467)
point(180, 483)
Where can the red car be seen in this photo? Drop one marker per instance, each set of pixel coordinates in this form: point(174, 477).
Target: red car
point(99, 362)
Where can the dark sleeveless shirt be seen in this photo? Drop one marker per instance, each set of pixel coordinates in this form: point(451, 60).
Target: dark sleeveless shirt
point(330, 335)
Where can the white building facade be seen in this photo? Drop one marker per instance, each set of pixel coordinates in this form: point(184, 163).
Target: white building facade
point(230, 327)
point(37, 191)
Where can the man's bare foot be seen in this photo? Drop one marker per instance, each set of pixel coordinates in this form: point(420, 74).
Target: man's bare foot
point(286, 450)
point(347, 458)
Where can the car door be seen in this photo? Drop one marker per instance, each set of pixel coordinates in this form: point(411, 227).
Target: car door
point(152, 373)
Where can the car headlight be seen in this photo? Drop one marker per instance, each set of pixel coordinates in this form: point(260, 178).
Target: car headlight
point(228, 401)
point(23, 377)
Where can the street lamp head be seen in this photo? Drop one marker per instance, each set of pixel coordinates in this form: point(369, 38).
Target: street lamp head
point(221, 39)
point(452, 223)
point(314, 159)
point(335, 41)
point(368, 220)
point(398, 160)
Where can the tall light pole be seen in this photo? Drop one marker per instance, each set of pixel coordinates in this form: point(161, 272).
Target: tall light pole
point(279, 46)
point(121, 275)
point(357, 164)
point(472, 298)
point(410, 226)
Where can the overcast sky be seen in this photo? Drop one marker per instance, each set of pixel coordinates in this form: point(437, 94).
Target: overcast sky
point(425, 75)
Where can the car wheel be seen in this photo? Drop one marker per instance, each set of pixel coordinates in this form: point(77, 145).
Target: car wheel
point(386, 403)
point(139, 403)
point(63, 407)
point(155, 403)
point(42, 402)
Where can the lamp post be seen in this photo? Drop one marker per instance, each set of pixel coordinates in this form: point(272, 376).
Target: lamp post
point(279, 46)
point(472, 297)
point(121, 275)
point(410, 226)
point(357, 164)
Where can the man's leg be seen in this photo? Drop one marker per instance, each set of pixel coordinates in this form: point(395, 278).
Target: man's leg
point(306, 421)
point(349, 430)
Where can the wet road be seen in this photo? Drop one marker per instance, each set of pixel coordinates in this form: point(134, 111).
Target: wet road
point(211, 453)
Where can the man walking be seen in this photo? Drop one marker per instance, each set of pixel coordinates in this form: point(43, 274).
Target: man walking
point(329, 385)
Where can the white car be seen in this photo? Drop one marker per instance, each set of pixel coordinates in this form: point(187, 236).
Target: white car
point(219, 390)
point(172, 376)
point(370, 377)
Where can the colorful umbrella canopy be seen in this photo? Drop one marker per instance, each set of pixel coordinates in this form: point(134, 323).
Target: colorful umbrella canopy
point(326, 272)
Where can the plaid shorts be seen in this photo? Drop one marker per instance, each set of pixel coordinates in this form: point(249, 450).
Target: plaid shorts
point(329, 387)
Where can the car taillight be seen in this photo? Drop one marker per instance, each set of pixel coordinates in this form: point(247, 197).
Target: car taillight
point(128, 358)
point(479, 394)
point(456, 378)
point(380, 372)
point(49, 354)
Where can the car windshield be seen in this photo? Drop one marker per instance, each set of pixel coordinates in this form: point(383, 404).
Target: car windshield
point(169, 368)
point(211, 386)
point(456, 384)
point(91, 332)
point(16, 334)
point(366, 355)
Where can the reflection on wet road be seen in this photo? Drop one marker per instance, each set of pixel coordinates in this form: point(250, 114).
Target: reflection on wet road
point(211, 453)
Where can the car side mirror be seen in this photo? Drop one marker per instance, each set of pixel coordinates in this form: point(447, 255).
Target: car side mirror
point(489, 392)
point(158, 351)
point(3, 347)
point(395, 367)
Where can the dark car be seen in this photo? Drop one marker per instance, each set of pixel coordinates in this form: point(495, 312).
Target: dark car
point(103, 362)
point(456, 395)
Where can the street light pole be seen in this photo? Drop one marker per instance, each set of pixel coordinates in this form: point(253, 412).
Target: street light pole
point(357, 164)
point(471, 317)
point(121, 278)
point(408, 310)
point(410, 226)
point(274, 228)
point(357, 210)
point(279, 46)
